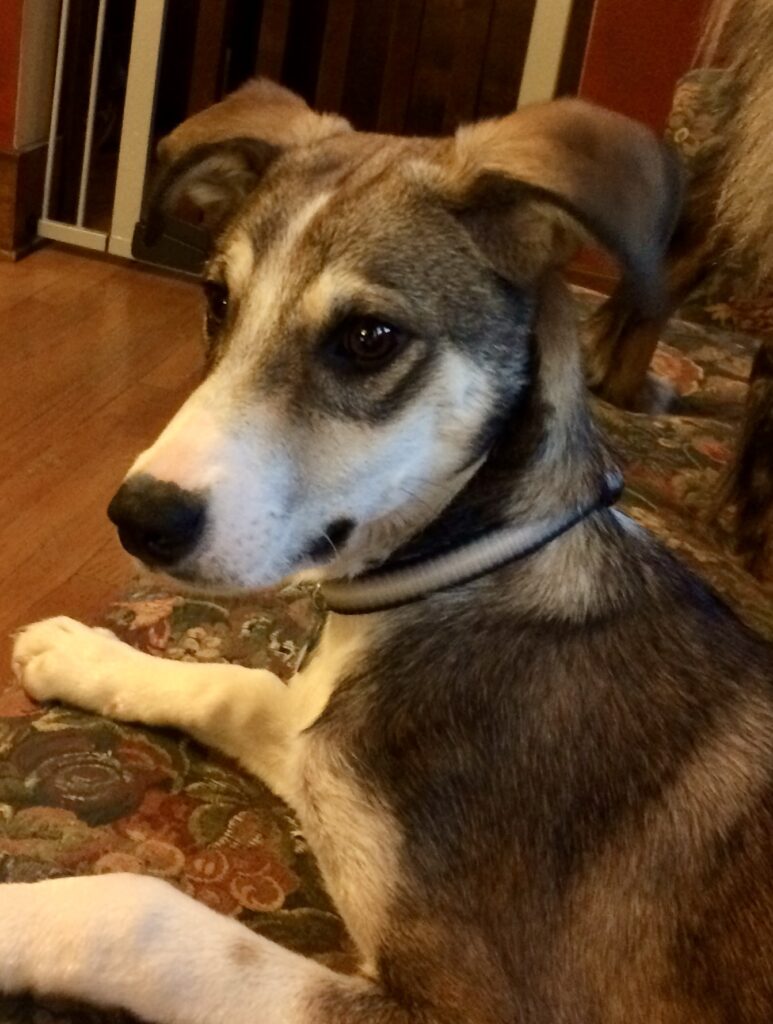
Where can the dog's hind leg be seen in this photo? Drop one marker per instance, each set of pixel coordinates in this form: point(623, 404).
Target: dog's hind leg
point(750, 485)
point(137, 943)
point(620, 342)
point(246, 713)
point(619, 350)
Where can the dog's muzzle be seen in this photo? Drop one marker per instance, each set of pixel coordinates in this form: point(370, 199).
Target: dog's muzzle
point(158, 522)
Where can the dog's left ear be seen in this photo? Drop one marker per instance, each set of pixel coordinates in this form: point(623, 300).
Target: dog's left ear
point(609, 173)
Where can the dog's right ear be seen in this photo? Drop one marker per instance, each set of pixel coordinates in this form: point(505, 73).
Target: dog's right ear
point(215, 158)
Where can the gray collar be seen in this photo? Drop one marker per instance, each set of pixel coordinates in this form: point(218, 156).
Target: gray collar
point(391, 587)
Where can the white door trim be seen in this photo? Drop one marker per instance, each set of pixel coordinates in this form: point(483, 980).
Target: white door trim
point(546, 48)
point(144, 61)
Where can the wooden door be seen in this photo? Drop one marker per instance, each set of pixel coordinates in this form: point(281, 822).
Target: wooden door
point(412, 66)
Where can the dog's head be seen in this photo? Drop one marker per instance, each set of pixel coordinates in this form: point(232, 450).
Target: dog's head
point(371, 303)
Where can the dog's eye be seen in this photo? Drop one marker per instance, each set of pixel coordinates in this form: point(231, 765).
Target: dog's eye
point(365, 343)
point(217, 303)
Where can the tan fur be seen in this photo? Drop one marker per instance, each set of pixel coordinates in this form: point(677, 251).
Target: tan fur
point(745, 204)
point(641, 880)
point(259, 109)
point(244, 954)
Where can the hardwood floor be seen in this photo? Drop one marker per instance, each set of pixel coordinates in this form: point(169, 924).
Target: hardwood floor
point(95, 357)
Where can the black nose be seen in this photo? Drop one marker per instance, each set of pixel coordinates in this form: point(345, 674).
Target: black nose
point(158, 522)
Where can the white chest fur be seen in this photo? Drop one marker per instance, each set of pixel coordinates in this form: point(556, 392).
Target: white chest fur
point(352, 833)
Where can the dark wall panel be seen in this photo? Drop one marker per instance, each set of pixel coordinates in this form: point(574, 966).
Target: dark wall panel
point(413, 66)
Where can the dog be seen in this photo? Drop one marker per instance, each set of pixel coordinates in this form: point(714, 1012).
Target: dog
point(532, 753)
point(728, 214)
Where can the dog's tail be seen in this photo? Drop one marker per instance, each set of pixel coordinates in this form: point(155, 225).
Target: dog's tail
point(749, 486)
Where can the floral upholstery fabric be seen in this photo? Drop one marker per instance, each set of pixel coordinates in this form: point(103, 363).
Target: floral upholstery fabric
point(675, 463)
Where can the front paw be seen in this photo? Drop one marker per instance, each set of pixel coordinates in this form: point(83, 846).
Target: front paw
point(61, 659)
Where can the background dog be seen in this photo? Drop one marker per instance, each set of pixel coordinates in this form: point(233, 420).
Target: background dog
point(728, 214)
point(532, 754)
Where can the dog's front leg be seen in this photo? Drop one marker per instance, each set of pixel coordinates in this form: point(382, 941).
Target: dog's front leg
point(243, 712)
point(137, 943)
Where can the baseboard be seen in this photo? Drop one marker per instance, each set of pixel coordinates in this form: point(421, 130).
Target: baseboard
point(21, 195)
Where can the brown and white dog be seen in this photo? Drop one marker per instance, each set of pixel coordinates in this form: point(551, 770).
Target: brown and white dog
point(532, 753)
point(728, 212)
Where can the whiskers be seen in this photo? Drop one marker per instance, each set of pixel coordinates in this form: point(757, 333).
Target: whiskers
point(336, 552)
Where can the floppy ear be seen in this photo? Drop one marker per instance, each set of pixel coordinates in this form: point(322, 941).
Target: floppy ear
point(215, 158)
point(610, 174)
point(259, 109)
point(213, 177)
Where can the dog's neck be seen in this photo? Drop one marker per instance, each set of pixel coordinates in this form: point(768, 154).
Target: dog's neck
point(537, 488)
point(405, 580)
point(489, 525)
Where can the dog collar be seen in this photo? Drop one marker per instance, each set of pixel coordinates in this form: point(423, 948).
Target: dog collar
point(387, 588)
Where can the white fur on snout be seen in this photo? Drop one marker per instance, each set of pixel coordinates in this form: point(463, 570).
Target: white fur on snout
point(237, 459)
point(273, 484)
point(392, 478)
point(187, 452)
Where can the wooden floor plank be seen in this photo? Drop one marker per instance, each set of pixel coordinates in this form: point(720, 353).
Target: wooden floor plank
point(86, 383)
point(96, 357)
point(49, 489)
